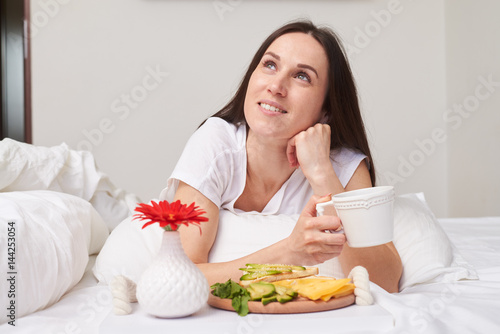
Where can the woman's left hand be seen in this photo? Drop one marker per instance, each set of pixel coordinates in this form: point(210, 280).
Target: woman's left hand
point(310, 149)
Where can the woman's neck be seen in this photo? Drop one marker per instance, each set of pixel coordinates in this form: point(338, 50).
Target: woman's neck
point(267, 161)
point(267, 171)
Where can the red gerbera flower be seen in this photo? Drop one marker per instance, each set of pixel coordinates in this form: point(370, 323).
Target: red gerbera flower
point(170, 215)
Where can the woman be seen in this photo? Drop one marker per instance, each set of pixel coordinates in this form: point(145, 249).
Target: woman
point(291, 136)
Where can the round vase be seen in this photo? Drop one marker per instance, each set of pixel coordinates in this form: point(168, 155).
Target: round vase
point(172, 286)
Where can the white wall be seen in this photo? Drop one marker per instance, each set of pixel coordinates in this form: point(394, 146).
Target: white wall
point(88, 56)
point(473, 77)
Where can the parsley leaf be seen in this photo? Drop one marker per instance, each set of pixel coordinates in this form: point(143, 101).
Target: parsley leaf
point(232, 290)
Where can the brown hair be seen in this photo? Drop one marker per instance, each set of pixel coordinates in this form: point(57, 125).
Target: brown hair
point(341, 102)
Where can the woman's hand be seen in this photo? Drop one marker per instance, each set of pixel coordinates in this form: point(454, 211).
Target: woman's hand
point(310, 149)
point(308, 243)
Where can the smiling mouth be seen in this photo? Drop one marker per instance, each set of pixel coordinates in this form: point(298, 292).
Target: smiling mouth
point(271, 108)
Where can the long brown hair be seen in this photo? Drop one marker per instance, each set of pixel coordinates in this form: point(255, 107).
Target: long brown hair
point(341, 102)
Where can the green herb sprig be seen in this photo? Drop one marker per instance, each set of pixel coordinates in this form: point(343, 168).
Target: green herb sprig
point(232, 290)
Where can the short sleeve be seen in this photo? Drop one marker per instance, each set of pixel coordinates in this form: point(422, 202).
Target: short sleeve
point(208, 161)
point(345, 162)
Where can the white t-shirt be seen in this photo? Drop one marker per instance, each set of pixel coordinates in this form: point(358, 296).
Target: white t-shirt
point(214, 162)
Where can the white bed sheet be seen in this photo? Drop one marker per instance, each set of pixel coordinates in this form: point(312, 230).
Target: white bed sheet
point(461, 307)
point(81, 310)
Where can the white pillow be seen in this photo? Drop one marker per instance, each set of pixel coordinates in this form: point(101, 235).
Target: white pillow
point(29, 167)
point(50, 236)
point(426, 252)
point(128, 251)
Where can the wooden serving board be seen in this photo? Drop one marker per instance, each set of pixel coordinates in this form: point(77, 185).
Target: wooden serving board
point(300, 305)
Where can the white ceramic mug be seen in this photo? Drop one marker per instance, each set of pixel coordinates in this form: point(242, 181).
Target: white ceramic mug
point(366, 215)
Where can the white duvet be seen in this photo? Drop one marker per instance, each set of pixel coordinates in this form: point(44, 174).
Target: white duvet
point(56, 209)
point(51, 237)
point(26, 167)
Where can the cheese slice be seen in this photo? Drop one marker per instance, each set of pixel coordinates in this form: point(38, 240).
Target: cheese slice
point(343, 291)
point(319, 287)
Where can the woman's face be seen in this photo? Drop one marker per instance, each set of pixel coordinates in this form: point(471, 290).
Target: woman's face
point(286, 91)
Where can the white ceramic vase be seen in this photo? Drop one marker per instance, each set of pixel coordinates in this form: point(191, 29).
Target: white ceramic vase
point(172, 286)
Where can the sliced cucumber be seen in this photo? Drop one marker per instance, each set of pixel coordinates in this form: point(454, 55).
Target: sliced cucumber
point(260, 290)
point(257, 274)
point(280, 290)
point(292, 293)
point(267, 300)
point(283, 298)
point(284, 291)
point(248, 277)
point(278, 269)
point(274, 267)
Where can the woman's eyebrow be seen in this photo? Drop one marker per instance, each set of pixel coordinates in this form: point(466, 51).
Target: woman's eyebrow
point(272, 54)
point(309, 67)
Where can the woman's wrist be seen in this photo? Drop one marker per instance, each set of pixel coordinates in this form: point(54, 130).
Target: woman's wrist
point(287, 251)
point(325, 181)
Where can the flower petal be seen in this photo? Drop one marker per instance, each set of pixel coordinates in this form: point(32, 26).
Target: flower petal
point(170, 215)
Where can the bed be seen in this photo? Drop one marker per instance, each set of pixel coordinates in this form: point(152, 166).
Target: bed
point(73, 234)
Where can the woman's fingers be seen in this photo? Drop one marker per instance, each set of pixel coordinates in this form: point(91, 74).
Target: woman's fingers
point(309, 242)
point(320, 255)
point(322, 223)
point(310, 147)
point(317, 244)
point(310, 208)
point(325, 223)
point(323, 240)
point(291, 153)
point(333, 239)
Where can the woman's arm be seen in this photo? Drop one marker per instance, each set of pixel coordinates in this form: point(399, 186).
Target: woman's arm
point(311, 150)
point(382, 262)
point(307, 244)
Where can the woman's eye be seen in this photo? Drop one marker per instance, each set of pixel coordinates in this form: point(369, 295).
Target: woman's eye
point(303, 76)
point(269, 64)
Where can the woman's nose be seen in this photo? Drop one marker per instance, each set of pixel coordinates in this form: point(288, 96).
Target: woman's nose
point(278, 85)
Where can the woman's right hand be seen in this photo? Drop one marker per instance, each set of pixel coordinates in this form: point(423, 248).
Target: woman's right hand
point(309, 244)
